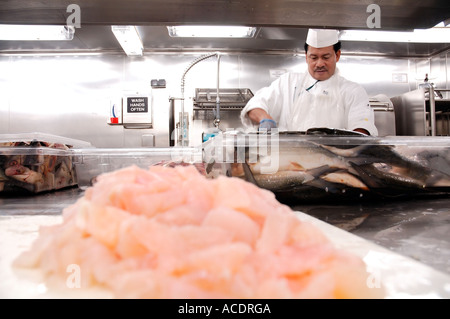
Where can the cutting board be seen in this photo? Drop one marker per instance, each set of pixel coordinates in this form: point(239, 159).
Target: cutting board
point(400, 276)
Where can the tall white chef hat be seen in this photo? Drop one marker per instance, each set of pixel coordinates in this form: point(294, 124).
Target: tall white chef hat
point(320, 38)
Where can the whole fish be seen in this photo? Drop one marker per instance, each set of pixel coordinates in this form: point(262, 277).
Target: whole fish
point(282, 180)
point(437, 158)
point(332, 132)
point(304, 172)
point(299, 156)
point(345, 178)
point(390, 165)
point(304, 168)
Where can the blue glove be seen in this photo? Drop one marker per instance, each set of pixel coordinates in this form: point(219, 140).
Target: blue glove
point(266, 125)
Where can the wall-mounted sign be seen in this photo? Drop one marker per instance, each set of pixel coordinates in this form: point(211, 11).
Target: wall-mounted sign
point(399, 78)
point(137, 104)
point(137, 111)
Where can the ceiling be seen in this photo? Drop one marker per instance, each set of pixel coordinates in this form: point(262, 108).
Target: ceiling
point(282, 24)
point(395, 14)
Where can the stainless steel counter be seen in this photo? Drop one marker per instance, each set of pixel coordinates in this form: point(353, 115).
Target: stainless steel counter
point(419, 229)
point(416, 228)
point(51, 203)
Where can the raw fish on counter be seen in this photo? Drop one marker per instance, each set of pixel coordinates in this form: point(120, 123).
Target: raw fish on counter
point(170, 232)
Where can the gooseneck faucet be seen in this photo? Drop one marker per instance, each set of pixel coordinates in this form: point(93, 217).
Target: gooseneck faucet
point(217, 116)
point(429, 86)
point(217, 119)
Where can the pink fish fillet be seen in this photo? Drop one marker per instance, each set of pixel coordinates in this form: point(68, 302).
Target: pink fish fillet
point(170, 232)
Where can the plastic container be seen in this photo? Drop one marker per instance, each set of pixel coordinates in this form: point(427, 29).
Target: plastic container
point(330, 165)
point(90, 163)
point(37, 162)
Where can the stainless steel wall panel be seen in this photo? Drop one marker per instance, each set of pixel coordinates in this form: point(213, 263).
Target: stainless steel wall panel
point(70, 94)
point(5, 66)
point(419, 70)
point(376, 74)
point(438, 71)
point(410, 113)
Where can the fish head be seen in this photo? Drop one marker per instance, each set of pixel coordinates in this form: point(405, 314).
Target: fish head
point(13, 161)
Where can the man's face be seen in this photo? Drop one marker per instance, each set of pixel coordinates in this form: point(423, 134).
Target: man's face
point(322, 62)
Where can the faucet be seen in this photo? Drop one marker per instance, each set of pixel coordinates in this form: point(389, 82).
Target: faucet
point(217, 118)
point(217, 115)
point(427, 86)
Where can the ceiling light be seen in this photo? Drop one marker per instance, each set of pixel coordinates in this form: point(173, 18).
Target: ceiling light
point(205, 31)
point(436, 34)
point(129, 39)
point(14, 32)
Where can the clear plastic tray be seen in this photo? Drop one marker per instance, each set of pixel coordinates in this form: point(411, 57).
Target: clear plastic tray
point(90, 163)
point(328, 164)
point(37, 162)
point(9, 139)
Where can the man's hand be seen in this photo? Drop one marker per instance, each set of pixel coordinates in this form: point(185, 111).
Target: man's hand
point(267, 125)
point(361, 130)
point(257, 115)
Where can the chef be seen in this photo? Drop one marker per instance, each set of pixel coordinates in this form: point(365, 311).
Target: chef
point(315, 99)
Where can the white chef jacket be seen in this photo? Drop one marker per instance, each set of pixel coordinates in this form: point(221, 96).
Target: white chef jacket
point(297, 102)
